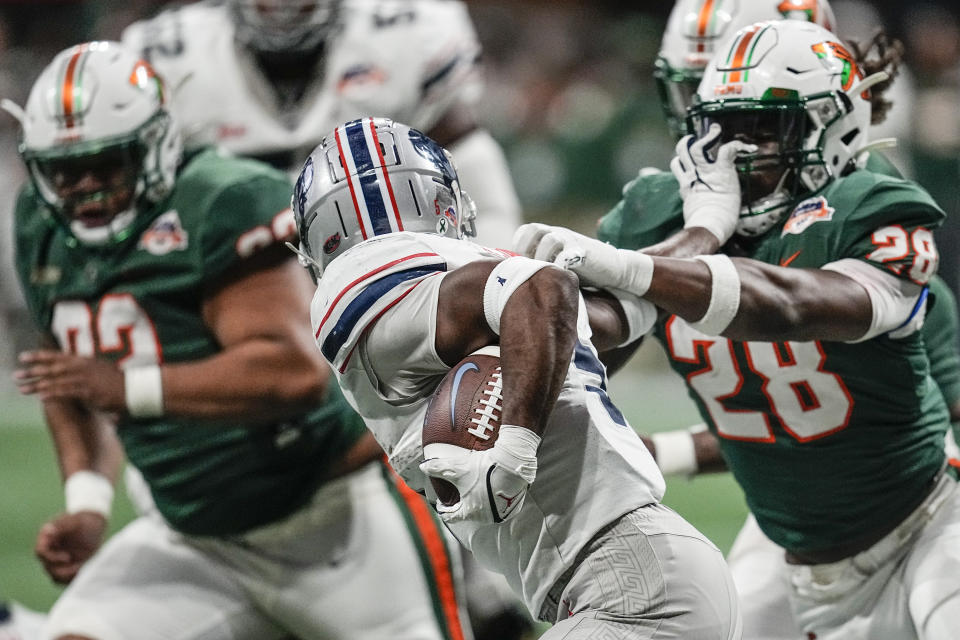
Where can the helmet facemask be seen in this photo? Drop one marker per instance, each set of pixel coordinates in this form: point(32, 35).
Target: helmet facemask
point(98, 142)
point(284, 26)
point(677, 89)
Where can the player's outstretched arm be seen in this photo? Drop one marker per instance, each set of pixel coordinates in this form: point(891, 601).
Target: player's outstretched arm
point(746, 299)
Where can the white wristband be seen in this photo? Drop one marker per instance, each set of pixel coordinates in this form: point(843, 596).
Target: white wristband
point(88, 491)
point(641, 315)
point(724, 295)
point(516, 450)
point(143, 391)
point(637, 272)
point(675, 453)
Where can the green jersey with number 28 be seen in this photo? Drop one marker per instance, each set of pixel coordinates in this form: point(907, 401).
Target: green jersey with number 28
point(829, 440)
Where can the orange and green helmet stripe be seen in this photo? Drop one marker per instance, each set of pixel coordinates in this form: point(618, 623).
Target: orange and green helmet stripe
point(69, 94)
point(741, 54)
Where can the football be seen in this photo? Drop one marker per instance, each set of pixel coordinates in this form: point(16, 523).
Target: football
point(464, 412)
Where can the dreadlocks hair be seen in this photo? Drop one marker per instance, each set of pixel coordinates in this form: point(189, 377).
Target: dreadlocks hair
point(887, 53)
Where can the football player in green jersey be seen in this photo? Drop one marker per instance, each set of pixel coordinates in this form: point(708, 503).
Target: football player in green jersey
point(174, 318)
point(803, 351)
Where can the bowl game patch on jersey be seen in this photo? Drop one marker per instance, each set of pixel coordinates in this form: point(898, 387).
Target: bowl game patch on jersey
point(806, 213)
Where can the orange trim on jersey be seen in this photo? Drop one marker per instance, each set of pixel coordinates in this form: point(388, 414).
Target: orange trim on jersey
point(436, 552)
point(66, 92)
point(742, 51)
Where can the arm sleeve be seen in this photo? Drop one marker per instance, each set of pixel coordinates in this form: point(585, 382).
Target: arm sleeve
point(649, 212)
point(246, 217)
point(892, 228)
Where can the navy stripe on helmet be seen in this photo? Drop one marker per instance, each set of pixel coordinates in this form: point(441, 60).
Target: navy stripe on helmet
point(367, 177)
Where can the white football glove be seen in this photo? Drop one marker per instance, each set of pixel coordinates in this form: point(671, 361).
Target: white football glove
point(709, 186)
point(597, 263)
point(492, 483)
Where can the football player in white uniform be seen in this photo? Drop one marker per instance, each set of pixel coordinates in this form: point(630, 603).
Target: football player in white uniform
point(267, 78)
point(403, 297)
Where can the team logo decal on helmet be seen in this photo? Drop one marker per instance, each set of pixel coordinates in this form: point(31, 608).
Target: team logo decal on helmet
point(332, 243)
point(144, 77)
point(828, 52)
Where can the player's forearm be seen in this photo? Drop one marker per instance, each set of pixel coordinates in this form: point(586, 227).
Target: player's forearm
point(538, 332)
point(255, 380)
point(84, 441)
point(775, 303)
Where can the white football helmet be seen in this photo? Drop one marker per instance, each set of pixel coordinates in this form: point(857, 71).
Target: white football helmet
point(694, 30)
point(98, 102)
point(284, 26)
point(371, 177)
point(793, 89)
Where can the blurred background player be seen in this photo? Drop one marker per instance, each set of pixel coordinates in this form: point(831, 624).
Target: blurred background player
point(811, 425)
point(156, 281)
point(268, 78)
point(566, 503)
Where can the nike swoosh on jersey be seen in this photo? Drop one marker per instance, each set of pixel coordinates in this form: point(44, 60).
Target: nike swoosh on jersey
point(787, 261)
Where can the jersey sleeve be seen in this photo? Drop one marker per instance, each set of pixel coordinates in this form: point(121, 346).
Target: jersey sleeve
point(649, 212)
point(447, 57)
point(891, 227)
point(246, 216)
point(940, 331)
point(362, 284)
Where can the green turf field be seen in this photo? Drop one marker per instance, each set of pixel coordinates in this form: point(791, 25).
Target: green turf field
point(30, 489)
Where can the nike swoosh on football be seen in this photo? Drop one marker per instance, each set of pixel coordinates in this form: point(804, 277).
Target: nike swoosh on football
point(787, 261)
point(456, 385)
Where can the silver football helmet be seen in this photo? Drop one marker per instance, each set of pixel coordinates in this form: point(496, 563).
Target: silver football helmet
point(284, 26)
point(98, 109)
point(371, 177)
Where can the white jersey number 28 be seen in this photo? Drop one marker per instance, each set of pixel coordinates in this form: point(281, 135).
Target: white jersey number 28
point(809, 402)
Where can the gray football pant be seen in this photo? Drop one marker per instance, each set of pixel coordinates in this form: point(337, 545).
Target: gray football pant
point(650, 576)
